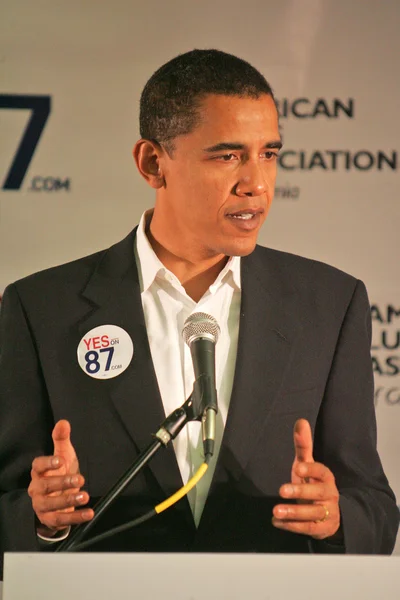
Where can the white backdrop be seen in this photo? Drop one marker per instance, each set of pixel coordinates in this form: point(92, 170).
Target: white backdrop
point(334, 67)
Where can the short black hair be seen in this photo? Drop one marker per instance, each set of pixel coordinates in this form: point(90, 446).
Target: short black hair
point(170, 99)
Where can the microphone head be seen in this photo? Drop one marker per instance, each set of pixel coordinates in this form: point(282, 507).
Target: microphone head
point(200, 325)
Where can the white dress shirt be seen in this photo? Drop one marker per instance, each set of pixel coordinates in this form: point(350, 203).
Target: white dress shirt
point(166, 307)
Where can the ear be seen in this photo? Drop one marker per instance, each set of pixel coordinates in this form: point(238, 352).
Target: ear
point(147, 155)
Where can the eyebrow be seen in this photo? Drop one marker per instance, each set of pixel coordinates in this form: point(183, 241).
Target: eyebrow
point(237, 146)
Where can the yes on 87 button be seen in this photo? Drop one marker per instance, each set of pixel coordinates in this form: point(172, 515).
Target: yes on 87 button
point(105, 352)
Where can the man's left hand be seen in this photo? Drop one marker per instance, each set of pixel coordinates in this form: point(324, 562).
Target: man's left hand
point(316, 512)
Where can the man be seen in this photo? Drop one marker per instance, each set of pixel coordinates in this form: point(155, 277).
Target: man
point(293, 353)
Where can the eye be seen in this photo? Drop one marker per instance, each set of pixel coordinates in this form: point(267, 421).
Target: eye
point(227, 157)
point(270, 155)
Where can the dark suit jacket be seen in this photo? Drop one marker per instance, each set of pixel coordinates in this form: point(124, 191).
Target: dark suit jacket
point(303, 352)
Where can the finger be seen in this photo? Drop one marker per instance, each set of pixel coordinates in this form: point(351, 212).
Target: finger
point(49, 485)
point(318, 531)
point(41, 464)
point(300, 512)
point(314, 470)
point(307, 491)
point(62, 438)
point(303, 442)
point(59, 520)
point(47, 504)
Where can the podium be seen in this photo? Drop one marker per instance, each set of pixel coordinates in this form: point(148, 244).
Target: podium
point(106, 576)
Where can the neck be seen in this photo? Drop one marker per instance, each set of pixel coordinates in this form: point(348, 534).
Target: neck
point(195, 275)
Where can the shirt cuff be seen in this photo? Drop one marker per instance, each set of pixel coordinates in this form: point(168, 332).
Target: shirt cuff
point(58, 537)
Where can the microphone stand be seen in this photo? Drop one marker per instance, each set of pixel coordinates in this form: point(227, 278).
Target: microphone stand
point(191, 410)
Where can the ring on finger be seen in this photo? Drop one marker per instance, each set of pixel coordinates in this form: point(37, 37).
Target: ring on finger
point(325, 517)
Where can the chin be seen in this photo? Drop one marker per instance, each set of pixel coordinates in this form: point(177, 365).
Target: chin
point(242, 247)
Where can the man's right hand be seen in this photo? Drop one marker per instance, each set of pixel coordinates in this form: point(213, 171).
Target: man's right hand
point(56, 483)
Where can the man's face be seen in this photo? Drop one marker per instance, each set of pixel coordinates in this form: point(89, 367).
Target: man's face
point(220, 179)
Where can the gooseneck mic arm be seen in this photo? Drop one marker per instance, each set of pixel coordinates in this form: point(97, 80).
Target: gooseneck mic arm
point(191, 410)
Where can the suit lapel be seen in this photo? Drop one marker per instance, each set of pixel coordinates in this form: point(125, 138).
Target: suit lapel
point(267, 331)
point(114, 292)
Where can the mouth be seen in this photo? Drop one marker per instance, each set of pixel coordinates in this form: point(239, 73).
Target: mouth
point(246, 219)
point(246, 214)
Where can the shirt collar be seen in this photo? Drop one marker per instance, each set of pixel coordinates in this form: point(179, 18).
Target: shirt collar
point(150, 266)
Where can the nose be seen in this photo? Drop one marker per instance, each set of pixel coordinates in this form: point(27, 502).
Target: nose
point(252, 181)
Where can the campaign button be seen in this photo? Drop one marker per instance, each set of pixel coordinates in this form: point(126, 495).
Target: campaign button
point(105, 352)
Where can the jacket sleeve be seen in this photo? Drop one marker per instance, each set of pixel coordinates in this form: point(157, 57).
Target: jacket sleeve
point(25, 424)
point(345, 439)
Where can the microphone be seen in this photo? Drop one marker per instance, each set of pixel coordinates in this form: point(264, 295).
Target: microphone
point(200, 332)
